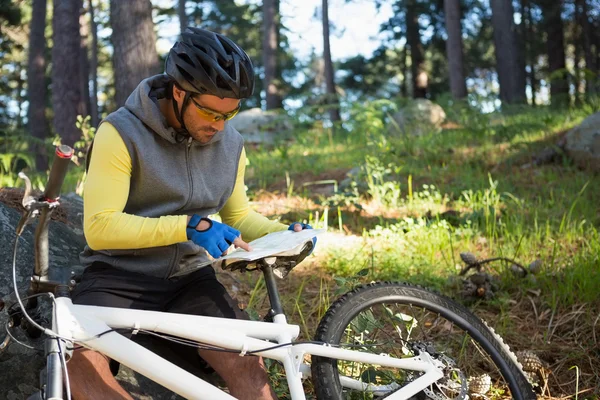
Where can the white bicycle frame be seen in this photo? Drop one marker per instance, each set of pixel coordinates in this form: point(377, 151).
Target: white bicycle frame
point(84, 322)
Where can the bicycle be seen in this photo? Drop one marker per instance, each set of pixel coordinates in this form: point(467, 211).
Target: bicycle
point(385, 339)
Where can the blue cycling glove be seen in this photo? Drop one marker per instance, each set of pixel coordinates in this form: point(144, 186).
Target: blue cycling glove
point(216, 239)
point(304, 226)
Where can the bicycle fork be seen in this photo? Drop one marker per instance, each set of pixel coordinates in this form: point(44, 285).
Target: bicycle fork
point(54, 372)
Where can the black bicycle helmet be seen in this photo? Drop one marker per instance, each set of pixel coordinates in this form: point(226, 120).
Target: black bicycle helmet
point(206, 62)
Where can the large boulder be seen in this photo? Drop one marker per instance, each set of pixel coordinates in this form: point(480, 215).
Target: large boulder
point(258, 126)
point(20, 366)
point(419, 117)
point(583, 143)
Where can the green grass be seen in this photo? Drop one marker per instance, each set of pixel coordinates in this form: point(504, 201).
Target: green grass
point(476, 170)
point(420, 201)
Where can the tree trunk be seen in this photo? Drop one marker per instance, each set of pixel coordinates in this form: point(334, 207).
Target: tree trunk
point(19, 93)
point(553, 25)
point(270, 52)
point(420, 79)
point(521, 55)
point(532, 55)
point(134, 42)
point(332, 99)
point(84, 61)
point(36, 82)
point(577, 55)
point(404, 67)
point(591, 67)
point(454, 49)
point(507, 50)
point(66, 94)
point(183, 19)
point(94, 67)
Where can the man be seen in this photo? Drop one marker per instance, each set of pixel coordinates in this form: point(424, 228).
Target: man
point(160, 166)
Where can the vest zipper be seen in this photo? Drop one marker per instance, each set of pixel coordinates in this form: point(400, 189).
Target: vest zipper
point(175, 259)
point(189, 170)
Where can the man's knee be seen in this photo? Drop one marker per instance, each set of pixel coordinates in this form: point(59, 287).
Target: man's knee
point(84, 357)
point(232, 365)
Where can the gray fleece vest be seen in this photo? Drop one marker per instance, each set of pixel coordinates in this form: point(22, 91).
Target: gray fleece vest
point(168, 178)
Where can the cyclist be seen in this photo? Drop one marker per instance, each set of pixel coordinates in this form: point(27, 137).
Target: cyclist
point(160, 166)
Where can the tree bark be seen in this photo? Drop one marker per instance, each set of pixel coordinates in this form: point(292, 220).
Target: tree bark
point(454, 49)
point(183, 19)
point(420, 79)
point(577, 54)
point(508, 66)
point(270, 53)
point(134, 42)
point(84, 61)
point(404, 67)
point(94, 67)
point(332, 99)
point(555, 45)
point(591, 67)
point(531, 53)
point(66, 94)
point(19, 93)
point(36, 82)
point(521, 55)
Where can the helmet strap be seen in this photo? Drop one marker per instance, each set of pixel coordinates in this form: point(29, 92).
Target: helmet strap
point(182, 132)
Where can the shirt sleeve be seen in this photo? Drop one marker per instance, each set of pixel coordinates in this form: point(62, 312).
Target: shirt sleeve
point(106, 190)
point(237, 213)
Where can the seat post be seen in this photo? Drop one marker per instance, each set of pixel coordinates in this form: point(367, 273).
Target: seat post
point(267, 269)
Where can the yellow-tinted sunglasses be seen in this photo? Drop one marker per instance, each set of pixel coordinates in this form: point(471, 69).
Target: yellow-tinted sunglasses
point(214, 116)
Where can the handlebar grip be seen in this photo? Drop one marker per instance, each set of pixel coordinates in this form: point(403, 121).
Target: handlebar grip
point(62, 158)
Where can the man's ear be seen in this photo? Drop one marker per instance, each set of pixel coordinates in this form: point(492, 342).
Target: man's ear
point(178, 93)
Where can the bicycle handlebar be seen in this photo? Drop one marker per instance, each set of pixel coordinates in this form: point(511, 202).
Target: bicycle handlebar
point(62, 158)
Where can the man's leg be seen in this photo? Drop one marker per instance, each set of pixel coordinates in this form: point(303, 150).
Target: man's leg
point(91, 378)
point(200, 293)
point(246, 377)
point(102, 285)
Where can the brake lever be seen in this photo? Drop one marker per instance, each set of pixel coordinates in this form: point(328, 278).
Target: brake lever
point(28, 199)
point(4, 344)
point(31, 205)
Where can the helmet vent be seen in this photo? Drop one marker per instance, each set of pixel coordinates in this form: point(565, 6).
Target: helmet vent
point(209, 63)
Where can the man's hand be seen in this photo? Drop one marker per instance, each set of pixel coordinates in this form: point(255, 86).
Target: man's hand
point(299, 226)
point(214, 236)
point(238, 242)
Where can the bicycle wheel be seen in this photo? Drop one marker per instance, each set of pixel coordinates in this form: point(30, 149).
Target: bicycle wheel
point(401, 321)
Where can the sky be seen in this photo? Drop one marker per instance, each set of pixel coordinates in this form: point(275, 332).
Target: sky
point(356, 27)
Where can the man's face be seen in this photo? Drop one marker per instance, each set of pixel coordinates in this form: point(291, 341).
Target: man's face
point(199, 111)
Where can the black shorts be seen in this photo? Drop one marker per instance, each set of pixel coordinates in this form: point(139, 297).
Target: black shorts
point(198, 293)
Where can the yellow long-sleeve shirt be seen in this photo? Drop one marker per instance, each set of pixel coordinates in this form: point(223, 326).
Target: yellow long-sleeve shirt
point(106, 188)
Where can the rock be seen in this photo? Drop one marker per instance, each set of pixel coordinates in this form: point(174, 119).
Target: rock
point(21, 366)
point(352, 176)
point(583, 143)
point(419, 117)
point(258, 126)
